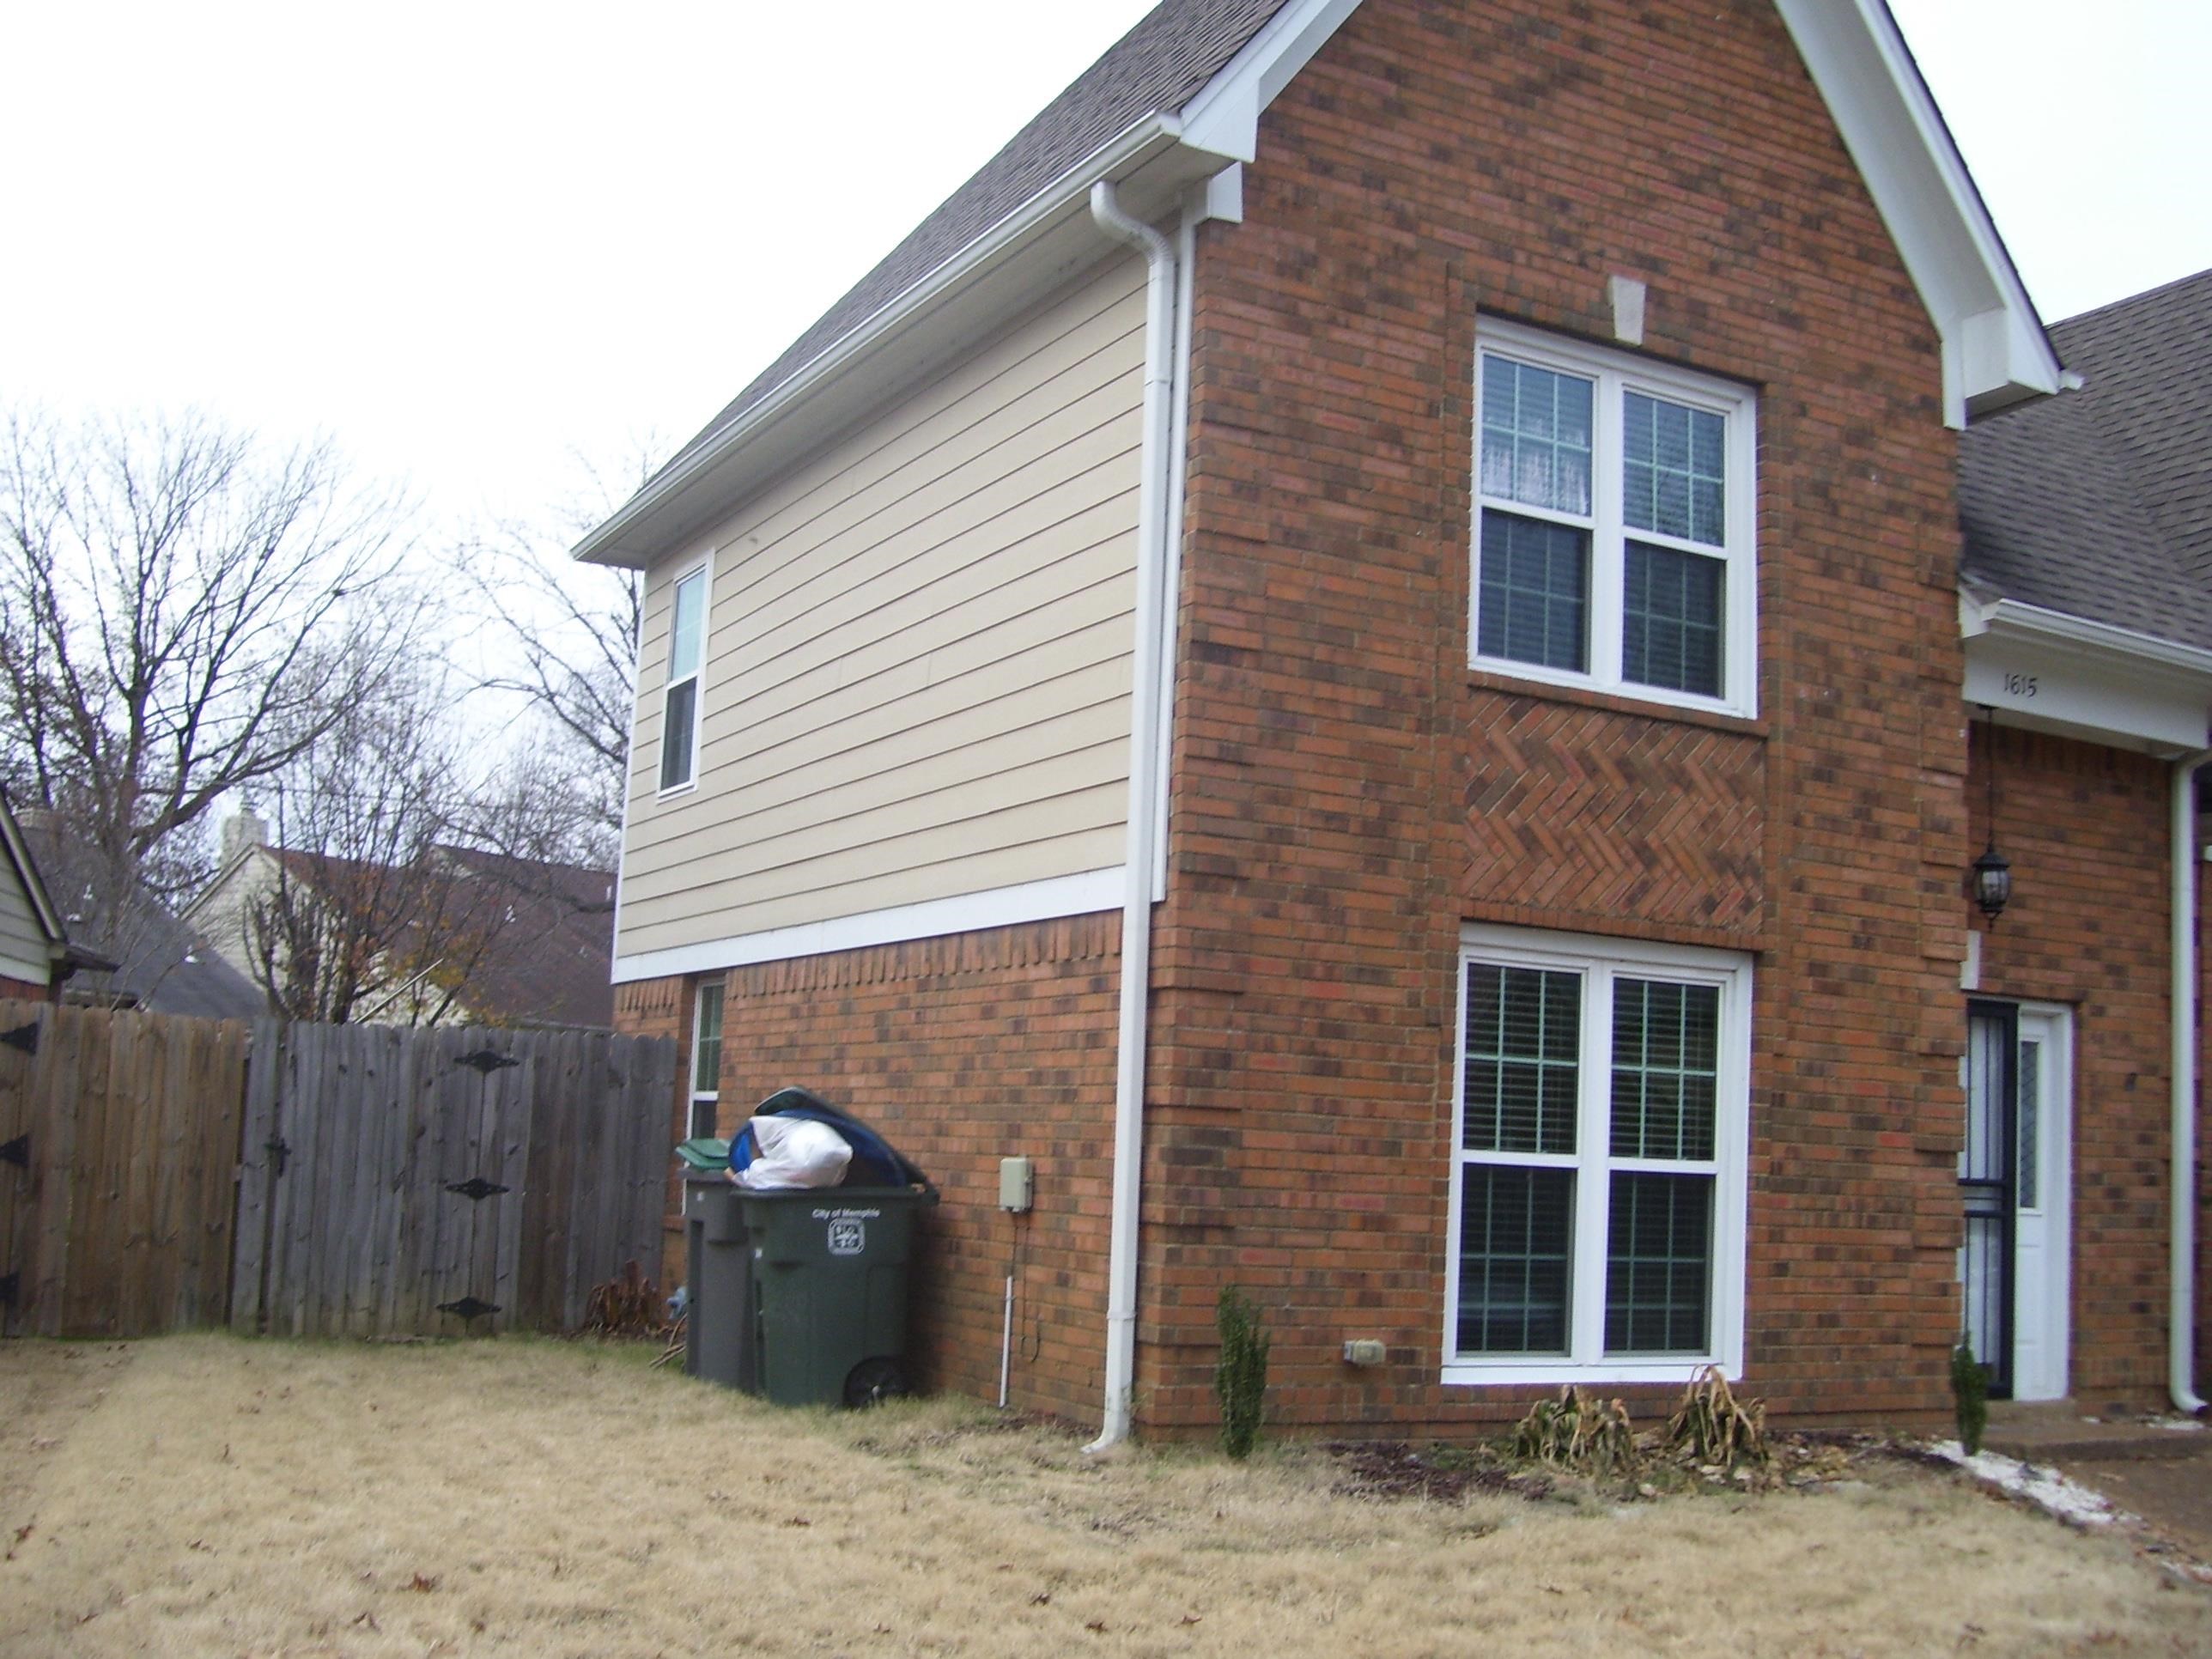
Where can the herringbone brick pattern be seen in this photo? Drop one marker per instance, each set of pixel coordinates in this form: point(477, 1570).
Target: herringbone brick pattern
point(1572, 811)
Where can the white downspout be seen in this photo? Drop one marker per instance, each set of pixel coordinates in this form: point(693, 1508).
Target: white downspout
point(1152, 504)
point(2181, 1273)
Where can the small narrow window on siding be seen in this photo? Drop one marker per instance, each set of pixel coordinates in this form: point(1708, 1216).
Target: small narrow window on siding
point(706, 1058)
point(679, 721)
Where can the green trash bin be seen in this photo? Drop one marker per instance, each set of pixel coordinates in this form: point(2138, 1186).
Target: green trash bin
point(827, 1276)
point(718, 1279)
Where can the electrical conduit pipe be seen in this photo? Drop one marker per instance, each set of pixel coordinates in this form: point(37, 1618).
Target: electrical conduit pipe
point(1144, 746)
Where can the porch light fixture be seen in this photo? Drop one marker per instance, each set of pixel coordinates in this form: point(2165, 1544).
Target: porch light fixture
point(1992, 873)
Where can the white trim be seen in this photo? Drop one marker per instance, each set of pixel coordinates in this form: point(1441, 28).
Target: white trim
point(1600, 961)
point(1995, 351)
point(34, 886)
point(2181, 1100)
point(2054, 1189)
point(1225, 115)
point(694, 1095)
point(966, 913)
point(1614, 373)
point(704, 570)
point(2014, 619)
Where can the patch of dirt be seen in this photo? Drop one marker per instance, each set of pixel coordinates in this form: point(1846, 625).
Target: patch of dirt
point(1392, 1469)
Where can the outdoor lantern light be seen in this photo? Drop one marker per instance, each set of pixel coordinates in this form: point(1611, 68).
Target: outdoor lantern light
point(1992, 880)
point(1992, 871)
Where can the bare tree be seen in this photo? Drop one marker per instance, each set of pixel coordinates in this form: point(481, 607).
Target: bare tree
point(355, 911)
point(183, 613)
point(570, 634)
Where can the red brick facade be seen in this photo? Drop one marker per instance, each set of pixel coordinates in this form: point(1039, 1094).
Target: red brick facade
point(24, 989)
point(1347, 793)
point(2084, 827)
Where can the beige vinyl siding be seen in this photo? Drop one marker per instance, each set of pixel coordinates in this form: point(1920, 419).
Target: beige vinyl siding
point(916, 683)
point(23, 940)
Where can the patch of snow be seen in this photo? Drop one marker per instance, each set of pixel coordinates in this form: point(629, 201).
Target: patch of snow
point(2178, 1424)
point(2047, 1489)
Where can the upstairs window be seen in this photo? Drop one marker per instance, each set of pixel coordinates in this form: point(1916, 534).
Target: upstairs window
point(1615, 514)
point(679, 708)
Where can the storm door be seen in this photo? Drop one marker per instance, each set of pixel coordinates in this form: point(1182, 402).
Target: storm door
point(2013, 1183)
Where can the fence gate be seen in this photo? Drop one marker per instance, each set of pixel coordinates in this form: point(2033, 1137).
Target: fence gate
point(464, 1181)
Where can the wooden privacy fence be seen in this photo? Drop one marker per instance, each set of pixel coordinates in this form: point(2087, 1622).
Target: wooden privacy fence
point(164, 1174)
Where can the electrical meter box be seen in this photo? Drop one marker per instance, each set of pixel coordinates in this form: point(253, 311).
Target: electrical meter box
point(1017, 1183)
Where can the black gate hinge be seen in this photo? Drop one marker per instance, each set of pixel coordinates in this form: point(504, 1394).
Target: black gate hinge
point(475, 1188)
point(25, 1038)
point(469, 1308)
point(16, 1151)
point(486, 1061)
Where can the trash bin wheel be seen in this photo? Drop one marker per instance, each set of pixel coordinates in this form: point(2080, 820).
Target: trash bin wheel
point(874, 1381)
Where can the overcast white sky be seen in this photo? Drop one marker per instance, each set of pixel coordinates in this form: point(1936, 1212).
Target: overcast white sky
point(465, 238)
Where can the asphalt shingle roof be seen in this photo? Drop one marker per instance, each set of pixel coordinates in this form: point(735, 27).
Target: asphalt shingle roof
point(2097, 503)
point(1174, 51)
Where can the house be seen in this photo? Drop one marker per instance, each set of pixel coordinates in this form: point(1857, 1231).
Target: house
point(1359, 649)
point(34, 945)
point(2085, 601)
point(461, 935)
point(130, 949)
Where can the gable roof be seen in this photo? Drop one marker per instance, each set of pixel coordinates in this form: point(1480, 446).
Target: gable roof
point(18, 854)
point(2097, 504)
point(1180, 95)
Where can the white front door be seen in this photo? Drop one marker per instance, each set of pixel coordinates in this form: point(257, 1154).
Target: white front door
point(2015, 1177)
point(2042, 1180)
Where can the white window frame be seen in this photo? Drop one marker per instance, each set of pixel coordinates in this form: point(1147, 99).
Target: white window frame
point(1599, 961)
point(710, 1099)
point(1616, 374)
point(704, 570)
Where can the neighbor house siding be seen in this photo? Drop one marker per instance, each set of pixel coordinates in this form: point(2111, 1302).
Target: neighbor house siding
point(917, 672)
point(23, 954)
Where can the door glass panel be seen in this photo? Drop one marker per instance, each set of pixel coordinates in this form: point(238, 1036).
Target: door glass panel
point(2031, 1123)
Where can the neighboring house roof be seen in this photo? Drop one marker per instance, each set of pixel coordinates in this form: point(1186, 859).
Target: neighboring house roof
point(142, 956)
point(2097, 504)
point(547, 950)
point(1178, 99)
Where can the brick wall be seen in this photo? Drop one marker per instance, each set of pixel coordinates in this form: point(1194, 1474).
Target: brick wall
point(23, 989)
point(1348, 792)
point(962, 1050)
point(2084, 827)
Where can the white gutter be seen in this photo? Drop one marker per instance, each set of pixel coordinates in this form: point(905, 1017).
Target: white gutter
point(2181, 1272)
point(1152, 507)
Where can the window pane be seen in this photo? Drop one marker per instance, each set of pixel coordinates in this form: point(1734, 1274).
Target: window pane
point(1666, 1069)
point(2031, 1102)
point(1523, 1031)
point(1658, 1264)
point(684, 629)
point(1515, 1226)
point(707, 1046)
point(1672, 474)
point(1535, 436)
point(1671, 620)
point(1533, 601)
point(676, 734)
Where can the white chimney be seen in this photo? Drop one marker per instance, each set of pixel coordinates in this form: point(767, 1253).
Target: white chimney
point(243, 828)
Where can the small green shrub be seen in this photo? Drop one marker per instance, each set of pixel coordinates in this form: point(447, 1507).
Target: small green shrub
point(1241, 1378)
point(1970, 1394)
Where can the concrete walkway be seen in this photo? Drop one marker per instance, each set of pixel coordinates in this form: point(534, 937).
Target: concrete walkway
point(2159, 1468)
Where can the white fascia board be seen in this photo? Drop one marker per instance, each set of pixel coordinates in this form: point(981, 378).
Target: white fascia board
point(1038, 245)
point(2050, 671)
point(1223, 117)
point(1995, 350)
point(966, 913)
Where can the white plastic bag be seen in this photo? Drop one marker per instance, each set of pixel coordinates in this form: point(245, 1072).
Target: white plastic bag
point(794, 1152)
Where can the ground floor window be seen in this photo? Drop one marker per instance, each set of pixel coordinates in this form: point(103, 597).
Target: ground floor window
point(705, 1056)
point(1603, 1106)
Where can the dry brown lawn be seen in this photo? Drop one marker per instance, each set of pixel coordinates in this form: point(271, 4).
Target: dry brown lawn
point(202, 1495)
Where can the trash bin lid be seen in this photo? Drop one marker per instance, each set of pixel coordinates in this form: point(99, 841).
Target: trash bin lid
point(705, 1152)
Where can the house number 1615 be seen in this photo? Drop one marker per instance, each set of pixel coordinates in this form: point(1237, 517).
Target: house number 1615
point(2019, 685)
